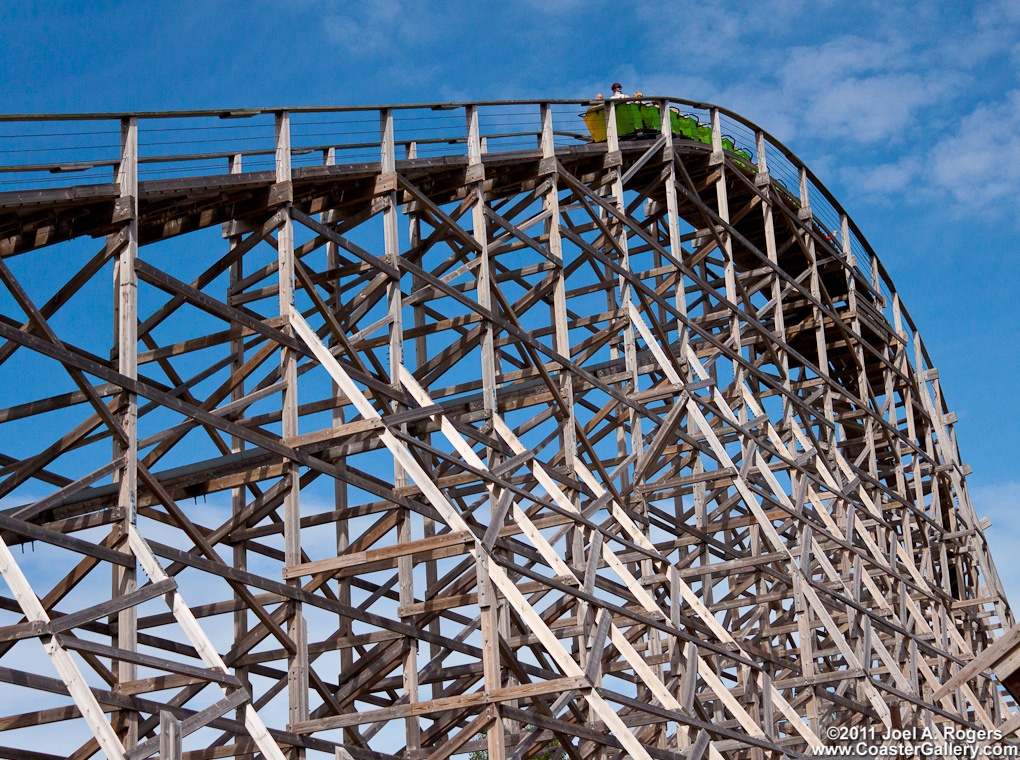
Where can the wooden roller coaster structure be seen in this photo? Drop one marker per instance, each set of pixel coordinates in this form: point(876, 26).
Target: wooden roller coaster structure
point(471, 435)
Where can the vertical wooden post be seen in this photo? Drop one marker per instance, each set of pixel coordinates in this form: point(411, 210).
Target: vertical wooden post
point(620, 230)
point(673, 227)
point(849, 566)
point(238, 494)
point(126, 340)
point(421, 351)
point(718, 159)
point(680, 299)
point(340, 502)
point(297, 662)
point(722, 201)
point(807, 216)
point(421, 356)
point(863, 387)
point(612, 304)
point(560, 322)
point(803, 610)
point(629, 340)
point(394, 296)
point(487, 601)
point(169, 736)
point(476, 180)
point(764, 181)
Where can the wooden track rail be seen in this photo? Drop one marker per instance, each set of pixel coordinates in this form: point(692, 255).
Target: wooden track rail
point(467, 435)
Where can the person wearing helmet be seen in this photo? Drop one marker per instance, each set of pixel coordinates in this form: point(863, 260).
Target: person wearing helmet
point(618, 90)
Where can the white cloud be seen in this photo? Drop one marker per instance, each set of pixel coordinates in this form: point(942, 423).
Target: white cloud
point(1001, 15)
point(904, 98)
point(870, 109)
point(979, 162)
point(849, 88)
point(363, 28)
point(853, 88)
point(971, 164)
point(842, 57)
point(711, 31)
point(884, 179)
point(554, 7)
point(998, 500)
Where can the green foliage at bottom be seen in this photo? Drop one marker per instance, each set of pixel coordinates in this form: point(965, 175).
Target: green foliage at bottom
point(546, 754)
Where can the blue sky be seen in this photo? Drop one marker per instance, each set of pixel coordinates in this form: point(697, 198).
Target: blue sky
point(910, 113)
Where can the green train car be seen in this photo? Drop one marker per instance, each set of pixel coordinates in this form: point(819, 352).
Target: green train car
point(636, 121)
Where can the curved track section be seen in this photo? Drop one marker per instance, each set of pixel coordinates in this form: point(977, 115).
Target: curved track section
point(417, 431)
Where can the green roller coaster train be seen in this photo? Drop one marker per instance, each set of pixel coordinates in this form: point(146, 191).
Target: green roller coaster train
point(636, 121)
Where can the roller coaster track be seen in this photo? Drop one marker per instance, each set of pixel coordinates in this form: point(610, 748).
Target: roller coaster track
point(418, 431)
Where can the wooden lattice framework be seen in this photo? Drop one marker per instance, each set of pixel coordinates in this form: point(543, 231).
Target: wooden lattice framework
point(589, 449)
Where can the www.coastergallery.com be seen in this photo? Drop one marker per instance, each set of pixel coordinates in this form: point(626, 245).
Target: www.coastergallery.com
point(915, 742)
